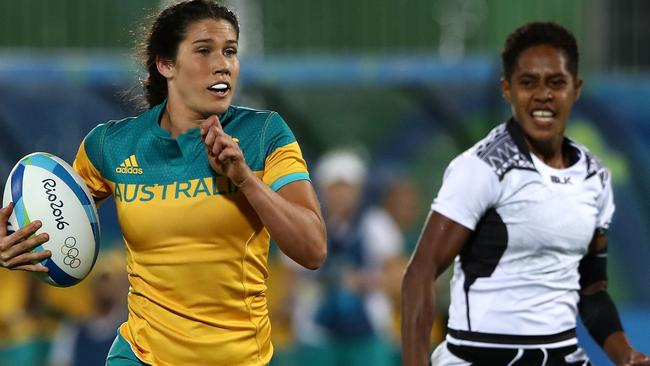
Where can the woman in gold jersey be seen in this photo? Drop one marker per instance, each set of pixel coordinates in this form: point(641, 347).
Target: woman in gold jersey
point(214, 183)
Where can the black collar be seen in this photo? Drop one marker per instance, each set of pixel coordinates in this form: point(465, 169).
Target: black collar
point(517, 134)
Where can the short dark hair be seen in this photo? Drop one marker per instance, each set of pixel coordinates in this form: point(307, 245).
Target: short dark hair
point(538, 33)
point(166, 32)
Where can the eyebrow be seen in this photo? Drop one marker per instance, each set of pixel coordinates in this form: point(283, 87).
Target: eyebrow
point(536, 75)
point(209, 40)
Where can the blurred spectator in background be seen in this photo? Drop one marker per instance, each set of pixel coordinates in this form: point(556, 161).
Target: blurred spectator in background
point(344, 315)
point(383, 231)
point(82, 342)
point(391, 227)
point(30, 313)
point(24, 324)
point(401, 203)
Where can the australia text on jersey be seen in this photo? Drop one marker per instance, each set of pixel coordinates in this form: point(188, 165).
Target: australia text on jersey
point(129, 166)
point(193, 188)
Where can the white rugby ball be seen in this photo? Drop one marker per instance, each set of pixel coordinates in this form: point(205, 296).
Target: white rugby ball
point(44, 187)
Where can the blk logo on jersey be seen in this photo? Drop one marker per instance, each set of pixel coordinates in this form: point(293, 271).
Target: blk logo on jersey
point(560, 180)
point(129, 166)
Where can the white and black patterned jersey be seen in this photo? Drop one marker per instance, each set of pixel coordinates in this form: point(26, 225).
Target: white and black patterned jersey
point(516, 279)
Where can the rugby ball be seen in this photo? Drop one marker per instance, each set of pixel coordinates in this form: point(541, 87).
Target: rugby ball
point(44, 187)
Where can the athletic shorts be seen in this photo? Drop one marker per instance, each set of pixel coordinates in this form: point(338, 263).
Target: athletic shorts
point(121, 354)
point(447, 354)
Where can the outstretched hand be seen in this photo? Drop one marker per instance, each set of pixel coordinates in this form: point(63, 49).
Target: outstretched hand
point(16, 248)
point(224, 154)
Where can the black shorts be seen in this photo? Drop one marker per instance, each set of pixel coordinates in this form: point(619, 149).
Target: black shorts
point(482, 356)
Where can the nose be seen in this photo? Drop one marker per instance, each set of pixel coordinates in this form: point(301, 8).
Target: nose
point(543, 93)
point(220, 65)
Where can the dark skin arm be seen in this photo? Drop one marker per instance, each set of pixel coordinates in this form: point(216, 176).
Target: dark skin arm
point(617, 346)
point(441, 240)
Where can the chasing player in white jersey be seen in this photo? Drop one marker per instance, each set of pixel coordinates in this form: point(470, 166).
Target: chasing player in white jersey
point(525, 214)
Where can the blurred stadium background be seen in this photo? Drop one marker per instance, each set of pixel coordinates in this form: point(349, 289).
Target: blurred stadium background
point(413, 83)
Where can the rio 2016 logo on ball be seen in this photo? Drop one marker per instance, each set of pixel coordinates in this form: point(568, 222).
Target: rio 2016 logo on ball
point(44, 187)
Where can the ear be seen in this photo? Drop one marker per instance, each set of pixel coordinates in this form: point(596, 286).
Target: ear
point(165, 67)
point(505, 90)
point(578, 88)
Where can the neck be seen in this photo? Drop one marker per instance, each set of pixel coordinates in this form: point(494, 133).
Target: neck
point(177, 120)
point(550, 152)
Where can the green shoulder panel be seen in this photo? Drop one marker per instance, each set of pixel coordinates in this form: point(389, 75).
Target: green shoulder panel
point(109, 142)
point(276, 134)
point(258, 132)
point(101, 139)
point(93, 144)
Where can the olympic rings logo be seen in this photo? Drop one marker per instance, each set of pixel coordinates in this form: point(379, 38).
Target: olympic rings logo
point(70, 253)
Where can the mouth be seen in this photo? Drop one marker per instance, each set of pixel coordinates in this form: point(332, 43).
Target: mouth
point(220, 89)
point(543, 116)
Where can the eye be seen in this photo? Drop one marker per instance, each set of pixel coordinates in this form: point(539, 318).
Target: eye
point(230, 51)
point(558, 83)
point(203, 51)
point(526, 82)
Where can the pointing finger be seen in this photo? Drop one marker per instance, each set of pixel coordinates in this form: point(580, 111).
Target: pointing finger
point(206, 124)
point(209, 137)
point(218, 122)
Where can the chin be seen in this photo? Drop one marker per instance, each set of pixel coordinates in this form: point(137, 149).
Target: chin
point(544, 141)
point(541, 135)
point(216, 110)
point(542, 131)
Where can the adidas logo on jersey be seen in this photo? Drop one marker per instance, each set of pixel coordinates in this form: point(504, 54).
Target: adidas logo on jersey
point(129, 166)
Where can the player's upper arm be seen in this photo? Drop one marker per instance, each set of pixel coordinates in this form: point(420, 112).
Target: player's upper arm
point(593, 266)
point(301, 192)
point(441, 240)
point(470, 187)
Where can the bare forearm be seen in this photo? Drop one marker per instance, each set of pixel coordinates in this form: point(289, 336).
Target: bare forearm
point(417, 319)
point(617, 347)
point(298, 231)
point(619, 350)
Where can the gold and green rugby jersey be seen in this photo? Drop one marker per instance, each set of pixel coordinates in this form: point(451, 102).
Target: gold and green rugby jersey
point(196, 250)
